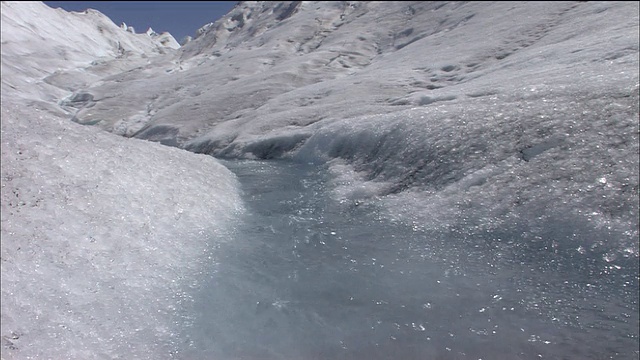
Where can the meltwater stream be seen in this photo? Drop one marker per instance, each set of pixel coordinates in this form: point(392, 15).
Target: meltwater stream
point(307, 277)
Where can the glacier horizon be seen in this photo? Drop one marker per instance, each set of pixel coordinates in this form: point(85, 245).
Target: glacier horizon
point(473, 119)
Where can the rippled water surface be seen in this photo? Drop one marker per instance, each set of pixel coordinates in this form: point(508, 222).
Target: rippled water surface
point(307, 277)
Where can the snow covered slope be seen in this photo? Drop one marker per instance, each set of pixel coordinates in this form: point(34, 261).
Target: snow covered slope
point(55, 47)
point(533, 102)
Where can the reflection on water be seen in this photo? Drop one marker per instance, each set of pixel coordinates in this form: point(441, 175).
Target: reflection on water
point(306, 277)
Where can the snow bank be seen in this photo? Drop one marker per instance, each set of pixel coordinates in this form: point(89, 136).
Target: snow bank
point(572, 154)
point(101, 238)
point(528, 186)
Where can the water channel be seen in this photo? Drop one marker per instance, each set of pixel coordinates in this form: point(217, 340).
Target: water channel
point(307, 277)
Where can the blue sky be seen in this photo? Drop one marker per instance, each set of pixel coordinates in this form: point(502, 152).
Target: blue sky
point(180, 18)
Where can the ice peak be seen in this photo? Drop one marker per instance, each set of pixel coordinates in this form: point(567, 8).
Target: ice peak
point(127, 28)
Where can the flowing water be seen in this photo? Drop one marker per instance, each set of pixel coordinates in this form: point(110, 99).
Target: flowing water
point(307, 277)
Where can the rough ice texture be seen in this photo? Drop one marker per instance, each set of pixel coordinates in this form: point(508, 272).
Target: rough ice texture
point(463, 117)
point(102, 236)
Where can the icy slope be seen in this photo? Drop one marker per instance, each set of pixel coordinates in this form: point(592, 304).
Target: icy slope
point(101, 236)
point(43, 46)
point(513, 104)
point(510, 128)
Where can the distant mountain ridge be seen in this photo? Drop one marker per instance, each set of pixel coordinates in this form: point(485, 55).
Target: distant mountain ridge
point(51, 41)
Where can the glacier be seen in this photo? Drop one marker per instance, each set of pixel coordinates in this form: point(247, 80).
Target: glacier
point(497, 143)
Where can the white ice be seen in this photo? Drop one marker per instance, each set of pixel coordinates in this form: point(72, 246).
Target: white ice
point(102, 236)
point(456, 115)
